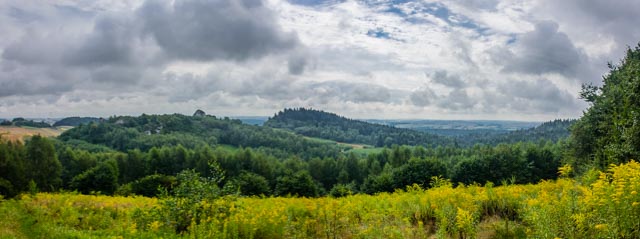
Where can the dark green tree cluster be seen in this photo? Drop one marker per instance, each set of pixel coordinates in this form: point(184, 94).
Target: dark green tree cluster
point(34, 164)
point(553, 130)
point(139, 155)
point(255, 172)
point(320, 124)
point(609, 131)
point(148, 131)
point(75, 121)
point(23, 122)
point(517, 163)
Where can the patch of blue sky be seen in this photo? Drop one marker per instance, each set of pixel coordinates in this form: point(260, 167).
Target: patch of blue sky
point(512, 39)
point(378, 33)
point(413, 11)
point(382, 34)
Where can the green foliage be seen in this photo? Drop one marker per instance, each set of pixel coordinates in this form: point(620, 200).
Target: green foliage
point(153, 185)
point(297, 184)
point(251, 184)
point(102, 178)
point(183, 206)
point(549, 131)
point(75, 162)
point(418, 171)
point(149, 131)
point(315, 123)
point(13, 168)
point(43, 164)
point(380, 183)
point(75, 121)
point(609, 131)
point(526, 163)
point(342, 190)
point(29, 123)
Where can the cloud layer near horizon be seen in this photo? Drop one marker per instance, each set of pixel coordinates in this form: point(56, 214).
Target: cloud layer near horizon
point(366, 59)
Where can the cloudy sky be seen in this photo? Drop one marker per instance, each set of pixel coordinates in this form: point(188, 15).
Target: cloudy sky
point(450, 59)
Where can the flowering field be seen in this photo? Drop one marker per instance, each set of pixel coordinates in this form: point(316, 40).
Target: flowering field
point(599, 205)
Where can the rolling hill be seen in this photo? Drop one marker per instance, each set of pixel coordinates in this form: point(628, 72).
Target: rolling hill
point(320, 124)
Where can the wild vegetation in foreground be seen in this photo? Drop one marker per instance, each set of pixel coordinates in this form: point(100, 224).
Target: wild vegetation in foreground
point(598, 205)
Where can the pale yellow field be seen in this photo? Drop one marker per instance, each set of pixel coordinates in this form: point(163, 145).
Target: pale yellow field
point(20, 133)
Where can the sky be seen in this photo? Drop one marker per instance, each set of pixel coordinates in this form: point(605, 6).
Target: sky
point(385, 59)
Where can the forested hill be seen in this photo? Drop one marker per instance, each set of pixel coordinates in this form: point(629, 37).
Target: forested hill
point(315, 123)
point(75, 121)
point(144, 132)
point(552, 131)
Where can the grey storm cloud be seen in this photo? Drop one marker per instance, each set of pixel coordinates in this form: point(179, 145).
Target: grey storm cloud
point(207, 30)
point(543, 50)
point(35, 49)
point(537, 95)
point(37, 80)
point(532, 96)
point(422, 97)
point(172, 53)
point(596, 18)
point(457, 99)
point(297, 63)
point(110, 42)
point(187, 87)
point(351, 91)
point(445, 78)
point(100, 49)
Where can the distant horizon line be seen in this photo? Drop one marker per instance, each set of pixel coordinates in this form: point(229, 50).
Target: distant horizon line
point(266, 116)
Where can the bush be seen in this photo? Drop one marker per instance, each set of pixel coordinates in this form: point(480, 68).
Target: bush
point(342, 190)
point(299, 184)
point(150, 186)
point(101, 178)
point(251, 184)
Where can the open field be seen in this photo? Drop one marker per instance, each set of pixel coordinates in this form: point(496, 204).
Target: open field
point(19, 133)
point(347, 145)
point(599, 205)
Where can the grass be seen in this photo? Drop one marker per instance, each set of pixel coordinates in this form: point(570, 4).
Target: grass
point(346, 146)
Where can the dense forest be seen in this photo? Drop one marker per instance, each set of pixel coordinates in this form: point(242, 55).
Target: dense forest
point(260, 173)
point(148, 131)
point(21, 122)
point(136, 155)
point(320, 124)
point(553, 130)
point(75, 121)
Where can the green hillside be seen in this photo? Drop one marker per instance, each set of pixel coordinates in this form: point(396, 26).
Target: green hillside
point(320, 124)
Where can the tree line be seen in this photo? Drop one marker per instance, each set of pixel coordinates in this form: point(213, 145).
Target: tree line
point(52, 165)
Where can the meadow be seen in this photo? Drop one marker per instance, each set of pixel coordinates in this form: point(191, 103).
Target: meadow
point(16, 133)
point(596, 205)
